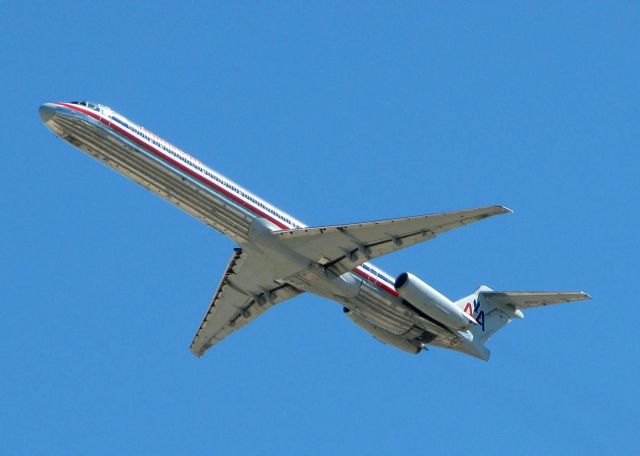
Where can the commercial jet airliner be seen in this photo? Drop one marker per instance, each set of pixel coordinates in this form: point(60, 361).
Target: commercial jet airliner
point(278, 257)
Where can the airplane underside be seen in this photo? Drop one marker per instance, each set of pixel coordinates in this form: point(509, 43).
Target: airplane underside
point(279, 258)
point(391, 321)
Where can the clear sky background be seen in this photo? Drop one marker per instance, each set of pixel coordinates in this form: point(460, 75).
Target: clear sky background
point(336, 113)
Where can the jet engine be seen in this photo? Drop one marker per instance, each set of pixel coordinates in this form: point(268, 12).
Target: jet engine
point(433, 303)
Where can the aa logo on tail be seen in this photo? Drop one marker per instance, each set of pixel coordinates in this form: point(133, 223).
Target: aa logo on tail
point(473, 309)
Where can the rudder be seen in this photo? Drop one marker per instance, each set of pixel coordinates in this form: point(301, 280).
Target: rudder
point(490, 318)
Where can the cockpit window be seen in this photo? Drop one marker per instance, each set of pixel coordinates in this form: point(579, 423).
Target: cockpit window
point(94, 106)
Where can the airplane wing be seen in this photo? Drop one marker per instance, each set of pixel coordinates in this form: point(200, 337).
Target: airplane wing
point(528, 299)
point(343, 247)
point(246, 290)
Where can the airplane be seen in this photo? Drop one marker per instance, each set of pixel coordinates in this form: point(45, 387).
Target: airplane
point(278, 257)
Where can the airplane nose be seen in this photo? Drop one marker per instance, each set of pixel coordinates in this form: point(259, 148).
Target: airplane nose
point(47, 111)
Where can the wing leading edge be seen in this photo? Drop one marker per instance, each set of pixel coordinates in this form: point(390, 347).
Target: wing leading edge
point(345, 247)
point(245, 292)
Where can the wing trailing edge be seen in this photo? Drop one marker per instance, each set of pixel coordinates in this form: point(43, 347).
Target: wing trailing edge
point(344, 247)
point(246, 290)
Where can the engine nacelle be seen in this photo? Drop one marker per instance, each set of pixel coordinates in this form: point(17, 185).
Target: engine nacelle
point(433, 303)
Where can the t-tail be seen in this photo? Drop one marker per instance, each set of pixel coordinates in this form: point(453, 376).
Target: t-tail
point(494, 309)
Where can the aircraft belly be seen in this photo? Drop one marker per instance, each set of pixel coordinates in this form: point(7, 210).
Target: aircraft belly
point(391, 314)
point(380, 308)
point(182, 190)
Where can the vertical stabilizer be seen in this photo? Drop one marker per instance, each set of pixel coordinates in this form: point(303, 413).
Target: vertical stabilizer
point(490, 319)
point(494, 309)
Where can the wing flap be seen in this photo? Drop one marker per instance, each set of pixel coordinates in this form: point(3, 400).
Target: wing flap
point(245, 292)
point(346, 246)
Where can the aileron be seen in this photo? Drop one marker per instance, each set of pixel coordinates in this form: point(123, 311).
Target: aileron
point(347, 246)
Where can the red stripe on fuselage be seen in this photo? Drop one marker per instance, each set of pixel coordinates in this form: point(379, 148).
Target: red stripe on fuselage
point(181, 166)
point(256, 210)
point(365, 275)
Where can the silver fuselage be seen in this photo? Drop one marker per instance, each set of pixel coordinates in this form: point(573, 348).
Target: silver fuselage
point(229, 208)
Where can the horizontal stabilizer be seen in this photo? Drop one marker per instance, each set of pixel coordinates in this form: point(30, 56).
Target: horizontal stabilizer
point(528, 299)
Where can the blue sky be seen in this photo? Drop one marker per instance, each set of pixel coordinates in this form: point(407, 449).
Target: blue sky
point(336, 113)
